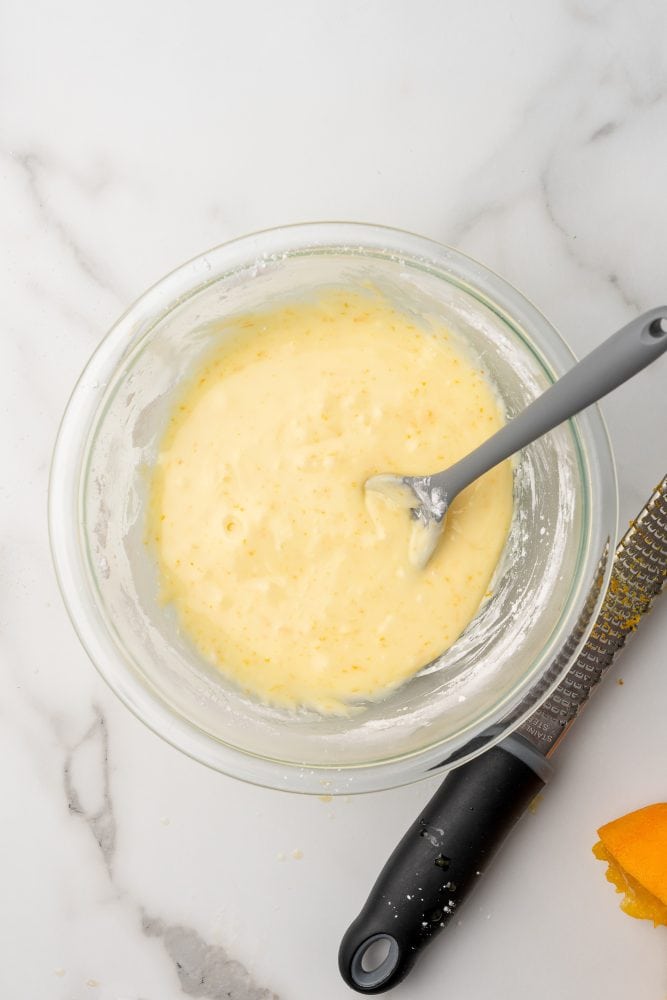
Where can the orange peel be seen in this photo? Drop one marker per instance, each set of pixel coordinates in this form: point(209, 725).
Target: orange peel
point(635, 849)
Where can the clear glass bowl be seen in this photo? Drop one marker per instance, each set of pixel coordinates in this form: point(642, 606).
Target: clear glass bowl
point(546, 591)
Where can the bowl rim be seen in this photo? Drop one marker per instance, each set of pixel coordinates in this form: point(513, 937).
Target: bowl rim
point(253, 252)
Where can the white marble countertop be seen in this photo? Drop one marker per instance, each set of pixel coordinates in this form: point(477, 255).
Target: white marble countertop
point(135, 135)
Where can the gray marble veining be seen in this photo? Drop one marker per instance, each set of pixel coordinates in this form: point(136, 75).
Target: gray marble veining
point(205, 970)
point(97, 811)
point(34, 167)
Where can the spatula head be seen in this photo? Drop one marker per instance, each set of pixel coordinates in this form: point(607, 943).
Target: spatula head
point(427, 504)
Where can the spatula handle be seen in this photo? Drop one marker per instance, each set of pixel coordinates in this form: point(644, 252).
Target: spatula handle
point(617, 359)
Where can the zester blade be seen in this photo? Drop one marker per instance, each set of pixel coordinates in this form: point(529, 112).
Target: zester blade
point(639, 571)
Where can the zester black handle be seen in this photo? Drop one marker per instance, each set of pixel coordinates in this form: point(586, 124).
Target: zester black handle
point(437, 863)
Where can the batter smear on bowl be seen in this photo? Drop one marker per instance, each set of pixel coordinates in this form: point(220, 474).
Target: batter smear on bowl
point(283, 571)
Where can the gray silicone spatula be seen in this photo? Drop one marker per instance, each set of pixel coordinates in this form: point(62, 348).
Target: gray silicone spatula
point(611, 364)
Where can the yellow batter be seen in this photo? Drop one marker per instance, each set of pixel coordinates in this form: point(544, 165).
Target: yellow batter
point(283, 570)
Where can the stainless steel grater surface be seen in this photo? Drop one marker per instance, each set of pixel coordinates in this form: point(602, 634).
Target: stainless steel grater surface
point(638, 575)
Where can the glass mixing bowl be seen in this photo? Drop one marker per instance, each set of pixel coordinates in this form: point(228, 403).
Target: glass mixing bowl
point(547, 588)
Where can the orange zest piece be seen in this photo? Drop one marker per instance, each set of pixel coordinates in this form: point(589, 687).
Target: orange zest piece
point(635, 849)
